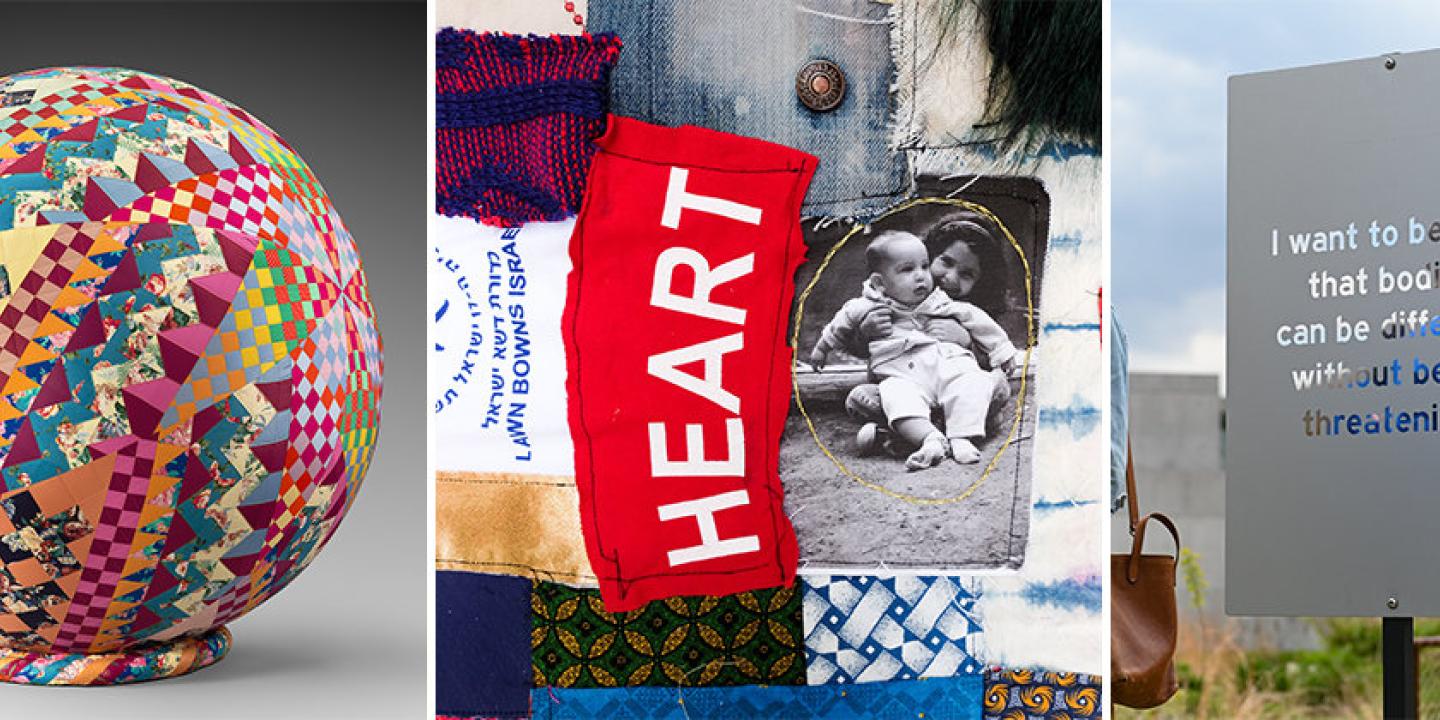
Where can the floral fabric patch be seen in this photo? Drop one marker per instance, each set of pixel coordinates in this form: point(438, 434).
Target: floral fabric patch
point(748, 638)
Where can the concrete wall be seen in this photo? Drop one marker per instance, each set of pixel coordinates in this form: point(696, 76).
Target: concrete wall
point(1176, 427)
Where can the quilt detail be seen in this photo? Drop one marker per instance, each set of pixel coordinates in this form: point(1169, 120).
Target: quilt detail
point(956, 698)
point(481, 653)
point(514, 121)
point(684, 260)
point(869, 629)
point(1035, 695)
point(747, 638)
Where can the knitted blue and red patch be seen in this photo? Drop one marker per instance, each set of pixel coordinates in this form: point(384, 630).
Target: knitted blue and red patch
point(515, 117)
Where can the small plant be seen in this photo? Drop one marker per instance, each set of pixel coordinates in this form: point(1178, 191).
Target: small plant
point(1312, 677)
point(1194, 576)
point(1355, 637)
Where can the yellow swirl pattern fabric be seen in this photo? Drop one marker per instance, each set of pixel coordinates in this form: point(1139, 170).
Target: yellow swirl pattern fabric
point(1022, 694)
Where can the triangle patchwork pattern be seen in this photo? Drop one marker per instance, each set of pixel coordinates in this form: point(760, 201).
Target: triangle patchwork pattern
point(58, 520)
point(189, 368)
point(214, 533)
point(277, 305)
point(58, 286)
point(115, 360)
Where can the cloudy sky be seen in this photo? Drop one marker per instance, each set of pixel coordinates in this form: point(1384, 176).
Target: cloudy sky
point(1170, 61)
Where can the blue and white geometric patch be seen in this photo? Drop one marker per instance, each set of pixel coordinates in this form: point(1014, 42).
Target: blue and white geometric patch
point(873, 629)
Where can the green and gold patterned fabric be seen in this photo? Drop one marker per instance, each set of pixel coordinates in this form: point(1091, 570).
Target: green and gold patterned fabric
point(749, 638)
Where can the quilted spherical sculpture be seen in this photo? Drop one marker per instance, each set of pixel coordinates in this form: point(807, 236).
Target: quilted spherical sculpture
point(189, 373)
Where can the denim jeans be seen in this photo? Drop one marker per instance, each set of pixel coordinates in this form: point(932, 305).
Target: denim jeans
point(1119, 410)
point(731, 66)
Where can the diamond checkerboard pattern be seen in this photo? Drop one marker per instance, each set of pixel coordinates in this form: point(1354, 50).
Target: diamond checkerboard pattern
point(861, 629)
point(190, 373)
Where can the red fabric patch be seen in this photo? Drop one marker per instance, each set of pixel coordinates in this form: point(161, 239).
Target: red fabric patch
point(679, 373)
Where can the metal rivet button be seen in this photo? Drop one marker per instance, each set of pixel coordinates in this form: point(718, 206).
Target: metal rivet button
point(820, 85)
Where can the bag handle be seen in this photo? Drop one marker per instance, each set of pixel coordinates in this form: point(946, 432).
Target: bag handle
point(1132, 569)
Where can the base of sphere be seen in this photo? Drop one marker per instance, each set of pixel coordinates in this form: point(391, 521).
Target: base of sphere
point(143, 663)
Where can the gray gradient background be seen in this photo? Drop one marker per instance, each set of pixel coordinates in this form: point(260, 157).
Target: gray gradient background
point(345, 84)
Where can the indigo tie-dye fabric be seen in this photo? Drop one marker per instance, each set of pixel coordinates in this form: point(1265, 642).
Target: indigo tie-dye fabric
point(861, 629)
point(751, 637)
point(954, 698)
point(1037, 695)
point(1047, 615)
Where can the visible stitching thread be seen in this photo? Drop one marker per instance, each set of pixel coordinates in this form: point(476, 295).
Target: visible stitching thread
point(694, 166)
point(533, 570)
point(842, 18)
point(1025, 369)
point(623, 582)
point(503, 483)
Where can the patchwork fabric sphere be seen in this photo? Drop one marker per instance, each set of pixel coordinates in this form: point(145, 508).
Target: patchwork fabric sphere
point(189, 373)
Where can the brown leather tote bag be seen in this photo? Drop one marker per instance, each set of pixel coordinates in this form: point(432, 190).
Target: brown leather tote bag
point(1143, 620)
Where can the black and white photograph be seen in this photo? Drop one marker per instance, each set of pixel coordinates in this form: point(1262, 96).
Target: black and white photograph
point(911, 432)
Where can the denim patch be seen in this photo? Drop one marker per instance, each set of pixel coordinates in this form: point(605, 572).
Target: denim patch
point(732, 67)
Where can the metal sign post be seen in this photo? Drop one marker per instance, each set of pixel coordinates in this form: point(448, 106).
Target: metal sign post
point(1398, 657)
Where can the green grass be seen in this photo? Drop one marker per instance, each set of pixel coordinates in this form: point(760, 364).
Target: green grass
point(1341, 679)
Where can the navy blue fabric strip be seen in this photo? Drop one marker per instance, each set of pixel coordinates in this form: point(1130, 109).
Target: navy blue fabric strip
point(482, 645)
point(502, 106)
point(455, 48)
point(492, 176)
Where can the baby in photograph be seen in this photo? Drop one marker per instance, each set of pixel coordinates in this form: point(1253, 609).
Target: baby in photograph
point(920, 372)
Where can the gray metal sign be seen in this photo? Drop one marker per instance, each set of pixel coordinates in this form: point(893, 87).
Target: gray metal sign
point(1333, 340)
